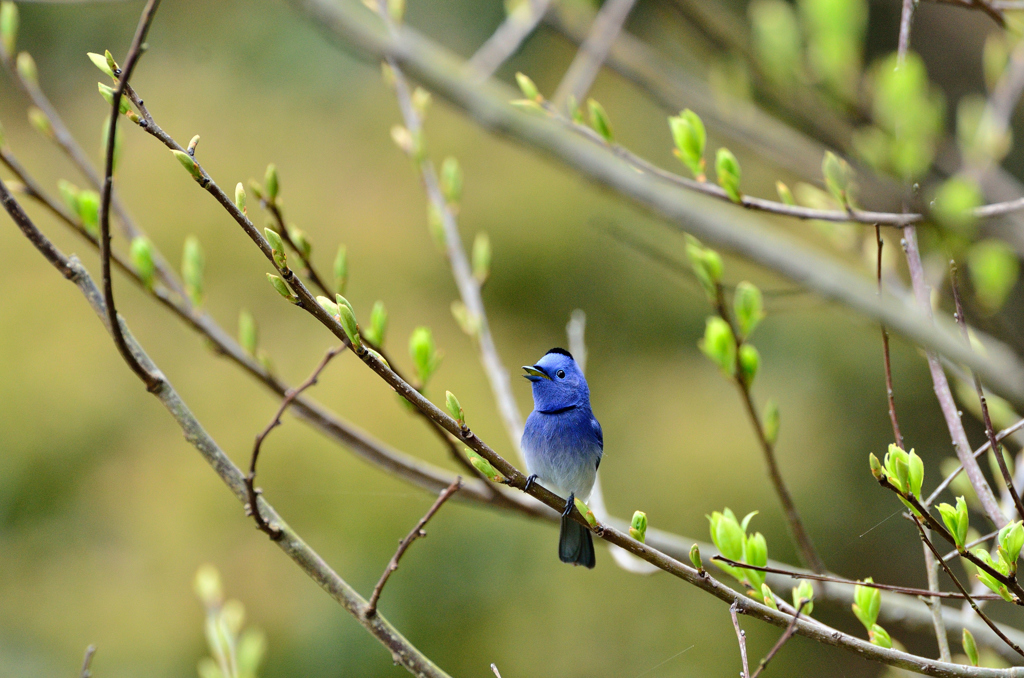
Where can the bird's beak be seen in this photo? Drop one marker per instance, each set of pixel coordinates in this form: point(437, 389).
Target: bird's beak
point(533, 374)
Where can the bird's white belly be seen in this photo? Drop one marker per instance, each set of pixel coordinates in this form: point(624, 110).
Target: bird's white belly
point(564, 471)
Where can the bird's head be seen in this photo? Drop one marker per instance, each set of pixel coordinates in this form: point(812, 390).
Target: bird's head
point(558, 382)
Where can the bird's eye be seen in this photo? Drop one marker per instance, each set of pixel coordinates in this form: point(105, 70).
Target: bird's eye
point(560, 374)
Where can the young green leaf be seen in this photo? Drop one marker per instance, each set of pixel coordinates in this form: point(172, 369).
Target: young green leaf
point(248, 334)
point(599, 120)
point(728, 170)
point(719, 344)
point(341, 269)
point(141, 253)
point(638, 527)
point(690, 139)
point(748, 304)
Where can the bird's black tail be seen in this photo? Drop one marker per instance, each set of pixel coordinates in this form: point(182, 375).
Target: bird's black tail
point(575, 544)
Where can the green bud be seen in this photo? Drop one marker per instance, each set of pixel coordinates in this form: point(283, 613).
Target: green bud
point(421, 101)
point(771, 421)
point(435, 224)
point(1011, 540)
point(378, 356)
point(40, 122)
point(896, 467)
point(451, 180)
point(341, 269)
point(707, 266)
point(423, 351)
point(100, 62)
point(277, 247)
point(8, 27)
point(108, 92)
point(575, 114)
point(749, 307)
point(467, 322)
point(69, 194)
point(328, 305)
point(955, 202)
point(455, 409)
point(915, 474)
point(727, 535)
point(586, 512)
point(951, 518)
point(342, 301)
point(599, 120)
point(485, 467)
point(638, 528)
point(876, 466)
point(719, 344)
point(481, 257)
point(208, 588)
point(378, 324)
point(987, 579)
point(994, 270)
point(240, 198)
point(111, 64)
point(837, 173)
point(527, 87)
point(749, 362)
point(281, 287)
point(970, 647)
point(728, 170)
point(755, 553)
point(191, 148)
point(879, 636)
point(193, 266)
point(88, 209)
point(270, 183)
point(785, 195)
point(769, 597)
point(248, 334)
point(695, 558)
point(690, 139)
point(27, 69)
point(189, 164)
point(867, 602)
point(804, 591)
point(301, 242)
point(141, 253)
point(348, 323)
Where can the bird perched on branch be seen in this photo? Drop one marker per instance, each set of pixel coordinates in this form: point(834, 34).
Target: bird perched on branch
point(563, 443)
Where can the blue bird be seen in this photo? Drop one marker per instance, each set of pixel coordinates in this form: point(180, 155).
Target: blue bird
point(563, 444)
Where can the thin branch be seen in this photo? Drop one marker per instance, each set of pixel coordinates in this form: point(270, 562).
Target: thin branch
point(805, 547)
point(970, 600)
point(989, 431)
point(1005, 433)
point(971, 544)
point(931, 568)
point(905, 590)
point(87, 662)
point(942, 391)
point(274, 208)
point(741, 637)
point(889, 393)
point(506, 39)
point(417, 532)
point(592, 53)
point(151, 381)
point(252, 508)
point(786, 635)
point(906, 18)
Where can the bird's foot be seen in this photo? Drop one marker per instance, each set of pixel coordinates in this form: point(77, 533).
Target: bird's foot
point(529, 482)
point(569, 504)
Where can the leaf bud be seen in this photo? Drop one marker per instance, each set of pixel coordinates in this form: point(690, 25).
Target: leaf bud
point(455, 409)
point(728, 170)
point(638, 528)
point(599, 120)
point(141, 253)
point(277, 248)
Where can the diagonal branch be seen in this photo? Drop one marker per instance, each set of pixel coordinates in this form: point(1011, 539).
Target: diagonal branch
point(741, 637)
point(403, 546)
point(786, 635)
point(592, 53)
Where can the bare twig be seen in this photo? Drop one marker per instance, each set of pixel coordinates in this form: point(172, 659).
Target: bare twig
point(506, 39)
point(417, 532)
point(905, 590)
point(906, 18)
point(151, 381)
point(931, 568)
point(1005, 433)
point(942, 390)
point(890, 395)
point(741, 637)
point(87, 662)
point(252, 508)
point(786, 635)
point(592, 53)
point(805, 547)
point(970, 600)
point(989, 431)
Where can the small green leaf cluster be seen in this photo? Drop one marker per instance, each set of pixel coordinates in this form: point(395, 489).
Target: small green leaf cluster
point(730, 537)
point(956, 520)
point(804, 591)
point(484, 466)
point(905, 471)
point(425, 356)
point(866, 605)
point(234, 652)
point(85, 204)
point(638, 526)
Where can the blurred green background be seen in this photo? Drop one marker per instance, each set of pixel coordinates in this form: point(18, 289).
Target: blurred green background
point(106, 513)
